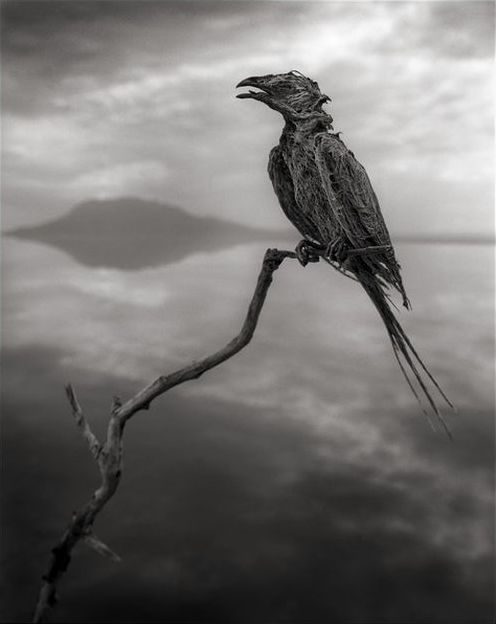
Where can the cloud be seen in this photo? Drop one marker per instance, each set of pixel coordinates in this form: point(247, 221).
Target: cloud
point(463, 29)
point(127, 85)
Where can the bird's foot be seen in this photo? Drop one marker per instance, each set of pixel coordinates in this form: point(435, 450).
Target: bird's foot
point(306, 252)
point(337, 251)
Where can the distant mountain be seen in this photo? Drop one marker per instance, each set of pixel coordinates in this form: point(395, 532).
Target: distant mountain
point(131, 233)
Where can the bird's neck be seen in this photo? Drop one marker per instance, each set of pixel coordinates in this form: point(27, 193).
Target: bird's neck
point(307, 125)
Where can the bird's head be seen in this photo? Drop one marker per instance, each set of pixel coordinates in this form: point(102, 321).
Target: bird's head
point(293, 95)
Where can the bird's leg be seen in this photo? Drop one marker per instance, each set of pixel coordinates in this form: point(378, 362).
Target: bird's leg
point(306, 252)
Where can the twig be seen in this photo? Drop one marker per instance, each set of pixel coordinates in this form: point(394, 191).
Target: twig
point(109, 456)
point(82, 423)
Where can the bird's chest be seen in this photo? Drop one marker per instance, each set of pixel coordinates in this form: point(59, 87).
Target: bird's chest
point(300, 160)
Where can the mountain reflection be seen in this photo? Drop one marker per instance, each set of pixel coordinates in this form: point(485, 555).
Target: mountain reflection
point(130, 233)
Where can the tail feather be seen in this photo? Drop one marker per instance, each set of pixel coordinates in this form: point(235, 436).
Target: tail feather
point(404, 352)
point(413, 389)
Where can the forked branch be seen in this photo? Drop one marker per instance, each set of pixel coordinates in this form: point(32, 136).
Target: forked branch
point(109, 455)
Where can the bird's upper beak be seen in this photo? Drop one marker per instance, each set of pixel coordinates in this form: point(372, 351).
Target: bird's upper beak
point(253, 81)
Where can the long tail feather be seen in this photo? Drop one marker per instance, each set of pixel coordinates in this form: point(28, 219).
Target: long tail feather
point(404, 351)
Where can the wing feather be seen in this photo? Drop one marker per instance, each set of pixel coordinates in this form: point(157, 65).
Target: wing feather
point(350, 192)
point(354, 205)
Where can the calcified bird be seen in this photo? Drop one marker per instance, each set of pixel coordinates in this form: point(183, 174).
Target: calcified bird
point(326, 194)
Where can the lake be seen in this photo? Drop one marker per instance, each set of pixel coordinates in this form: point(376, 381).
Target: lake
point(298, 481)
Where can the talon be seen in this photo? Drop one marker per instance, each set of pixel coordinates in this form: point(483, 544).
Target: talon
point(305, 252)
point(301, 253)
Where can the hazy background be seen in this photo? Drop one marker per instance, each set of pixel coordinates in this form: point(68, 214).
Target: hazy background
point(299, 482)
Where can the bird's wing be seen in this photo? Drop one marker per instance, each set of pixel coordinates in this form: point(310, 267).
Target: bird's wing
point(355, 207)
point(282, 182)
point(349, 192)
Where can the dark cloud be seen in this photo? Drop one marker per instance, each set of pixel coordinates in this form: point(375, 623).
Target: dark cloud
point(210, 523)
point(461, 29)
point(54, 48)
point(50, 48)
point(132, 234)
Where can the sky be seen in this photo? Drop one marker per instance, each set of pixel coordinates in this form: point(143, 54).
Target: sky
point(117, 98)
point(299, 481)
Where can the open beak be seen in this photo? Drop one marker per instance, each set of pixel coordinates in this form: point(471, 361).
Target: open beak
point(253, 81)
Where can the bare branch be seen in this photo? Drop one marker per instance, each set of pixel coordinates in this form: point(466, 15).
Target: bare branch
point(93, 444)
point(109, 456)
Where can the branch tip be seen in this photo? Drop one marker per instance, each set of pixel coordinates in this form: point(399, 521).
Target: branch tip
point(102, 549)
point(116, 403)
point(93, 443)
point(71, 396)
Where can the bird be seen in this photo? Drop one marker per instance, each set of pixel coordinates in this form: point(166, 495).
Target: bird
point(326, 194)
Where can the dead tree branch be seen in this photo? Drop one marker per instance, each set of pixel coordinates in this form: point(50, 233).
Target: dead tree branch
point(82, 423)
point(109, 456)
